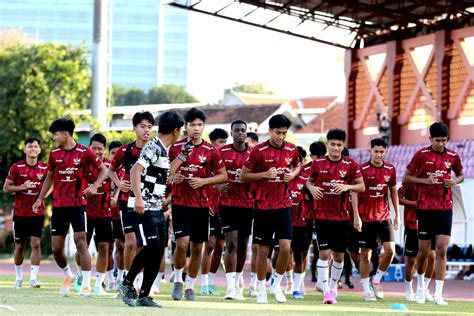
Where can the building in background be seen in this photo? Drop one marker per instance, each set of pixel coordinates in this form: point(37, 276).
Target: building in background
point(148, 40)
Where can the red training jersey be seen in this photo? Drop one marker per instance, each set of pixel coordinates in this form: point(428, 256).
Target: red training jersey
point(126, 156)
point(115, 210)
point(408, 192)
point(308, 198)
point(98, 205)
point(298, 211)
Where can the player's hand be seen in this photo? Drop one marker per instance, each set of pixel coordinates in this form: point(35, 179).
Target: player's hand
point(166, 202)
point(287, 177)
point(431, 180)
point(196, 183)
point(339, 188)
point(179, 178)
point(90, 191)
point(139, 206)
point(396, 223)
point(316, 192)
point(113, 201)
point(167, 214)
point(357, 223)
point(449, 182)
point(187, 149)
point(223, 188)
point(125, 186)
point(271, 173)
point(36, 206)
point(28, 185)
point(211, 211)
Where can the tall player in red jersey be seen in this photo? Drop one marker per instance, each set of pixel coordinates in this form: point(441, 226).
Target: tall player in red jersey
point(25, 179)
point(407, 195)
point(430, 169)
point(235, 209)
point(67, 169)
point(331, 180)
point(271, 166)
point(372, 216)
point(198, 168)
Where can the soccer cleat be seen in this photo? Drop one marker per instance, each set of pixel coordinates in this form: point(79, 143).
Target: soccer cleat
point(239, 294)
point(290, 287)
point(350, 284)
point(77, 282)
point(428, 296)
point(18, 284)
point(35, 284)
point(64, 290)
point(262, 298)
point(189, 295)
point(85, 291)
point(213, 290)
point(297, 295)
point(377, 290)
point(328, 298)
point(240, 282)
point(339, 284)
point(335, 296)
point(111, 287)
point(420, 296)
point(129, 294)
point(302, 288)
point(370, 297)
point(230, 295)
point(438, 300)
point(204, 290)
point(98, 290)
point(147, 302)
point(279, 296)
point(253, 291)
point(410, 296)
point(177, 292)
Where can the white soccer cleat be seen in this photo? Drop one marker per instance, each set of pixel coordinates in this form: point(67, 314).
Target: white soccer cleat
point(18, 284)
point(239, 294)
point(262, 298)
point(253, 291)
point(420, 296)
point(410, 296)
point(230, 295)
point(377, 288)
point(438, 300)
point(279, 296)
point(370, 297)
point(35, 284)
point(428, 296)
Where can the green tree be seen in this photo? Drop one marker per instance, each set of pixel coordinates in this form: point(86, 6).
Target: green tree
point(256, 87)
point(117, 95)
point(135, 96)
point(169, 94)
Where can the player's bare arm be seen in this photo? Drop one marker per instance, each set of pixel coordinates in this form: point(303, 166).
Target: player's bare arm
point(408, 177)
point(92, 190)
point(315, 191)
point(220, 177)
point(10, 187)
point(248, 176)
point(293, 174)
point(123, 185)
point(135, 179)
point(358, 186)
point(395, 202)
point(355, 209)
point(48, 182)
point(452, 182)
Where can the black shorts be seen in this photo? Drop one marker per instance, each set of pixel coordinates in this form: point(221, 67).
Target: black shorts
point(27, 226)
point(103, 230)
point(130, 220)
point(215, 227)
point(372, 230)
point(332, 235)
point(353, 240)
point(433, 223)
point(192, 222)
point(236, 219)
point(302, 237)
point(62, 217)
point(269, 222)
point(118, 229)
point(411, 243)
point(152, 230)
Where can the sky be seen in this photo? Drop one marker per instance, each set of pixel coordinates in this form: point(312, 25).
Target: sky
point(223, 52)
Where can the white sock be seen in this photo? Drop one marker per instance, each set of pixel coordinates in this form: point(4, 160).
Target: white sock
point(212, 276)
point(86, 279)
point(67, 271)
point(323, 274)
point(420, 281)
point(120, 275)
point(178, 275)
point(79, 270)
point(378, 276)
point(261, 286)
point(157, 281)
point(99, 279)
point(190, 283)
point(34, 272)
point(439, 288)
point(336, 272)
point(302, 283)
point(239, 280)
point(365, 285)
point(138, 280)
point(289, 276)
point(19, 271)
point(204, 279)
point(298, 281)
point(253, 280)
point(110, 276)
point(230, 280)
point(409, 286)
point(427, 282)
point(275, 280)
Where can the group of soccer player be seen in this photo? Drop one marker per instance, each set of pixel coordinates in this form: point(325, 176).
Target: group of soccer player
point(217, 195)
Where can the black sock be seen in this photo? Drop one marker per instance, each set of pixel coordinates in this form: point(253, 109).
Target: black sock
point(137, 266)
point(152, 266)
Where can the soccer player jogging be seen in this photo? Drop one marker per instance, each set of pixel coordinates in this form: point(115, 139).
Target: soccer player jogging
point(235, 209)
point(25, 179)
point(149, 178)
point(125, 158)
point(331, 180)
point(407, 196)
point(271, 166)
point(372, 216)
point(67, 168)
point(430, 169)
point(99, 216)
point(213, 248)
point(199, 166)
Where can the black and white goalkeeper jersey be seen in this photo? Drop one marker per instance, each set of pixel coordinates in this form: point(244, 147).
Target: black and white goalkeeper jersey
point(154, 158)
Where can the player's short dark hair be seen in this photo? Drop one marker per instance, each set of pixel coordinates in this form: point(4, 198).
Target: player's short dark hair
point(336, 134)
point(194, 113)
point(31, 140)
point(378, 142)
point(253, 136)
point(98, 138)
point(114, 144)
point(438, 129)
point(63, 124)
point(237, 122)
point(345, 152)
point(317, 149)
point(169, 121)
point(301, 153)
point(278, 121)
point(140, 116)
point(218, 133)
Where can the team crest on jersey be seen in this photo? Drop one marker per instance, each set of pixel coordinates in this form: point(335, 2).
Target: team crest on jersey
point(202, 159)
point(343, 173)
point(300, 186)
point(447, 164)
point(387, 178)
point(77, 161)
point(40, 176)
point(288, 161)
